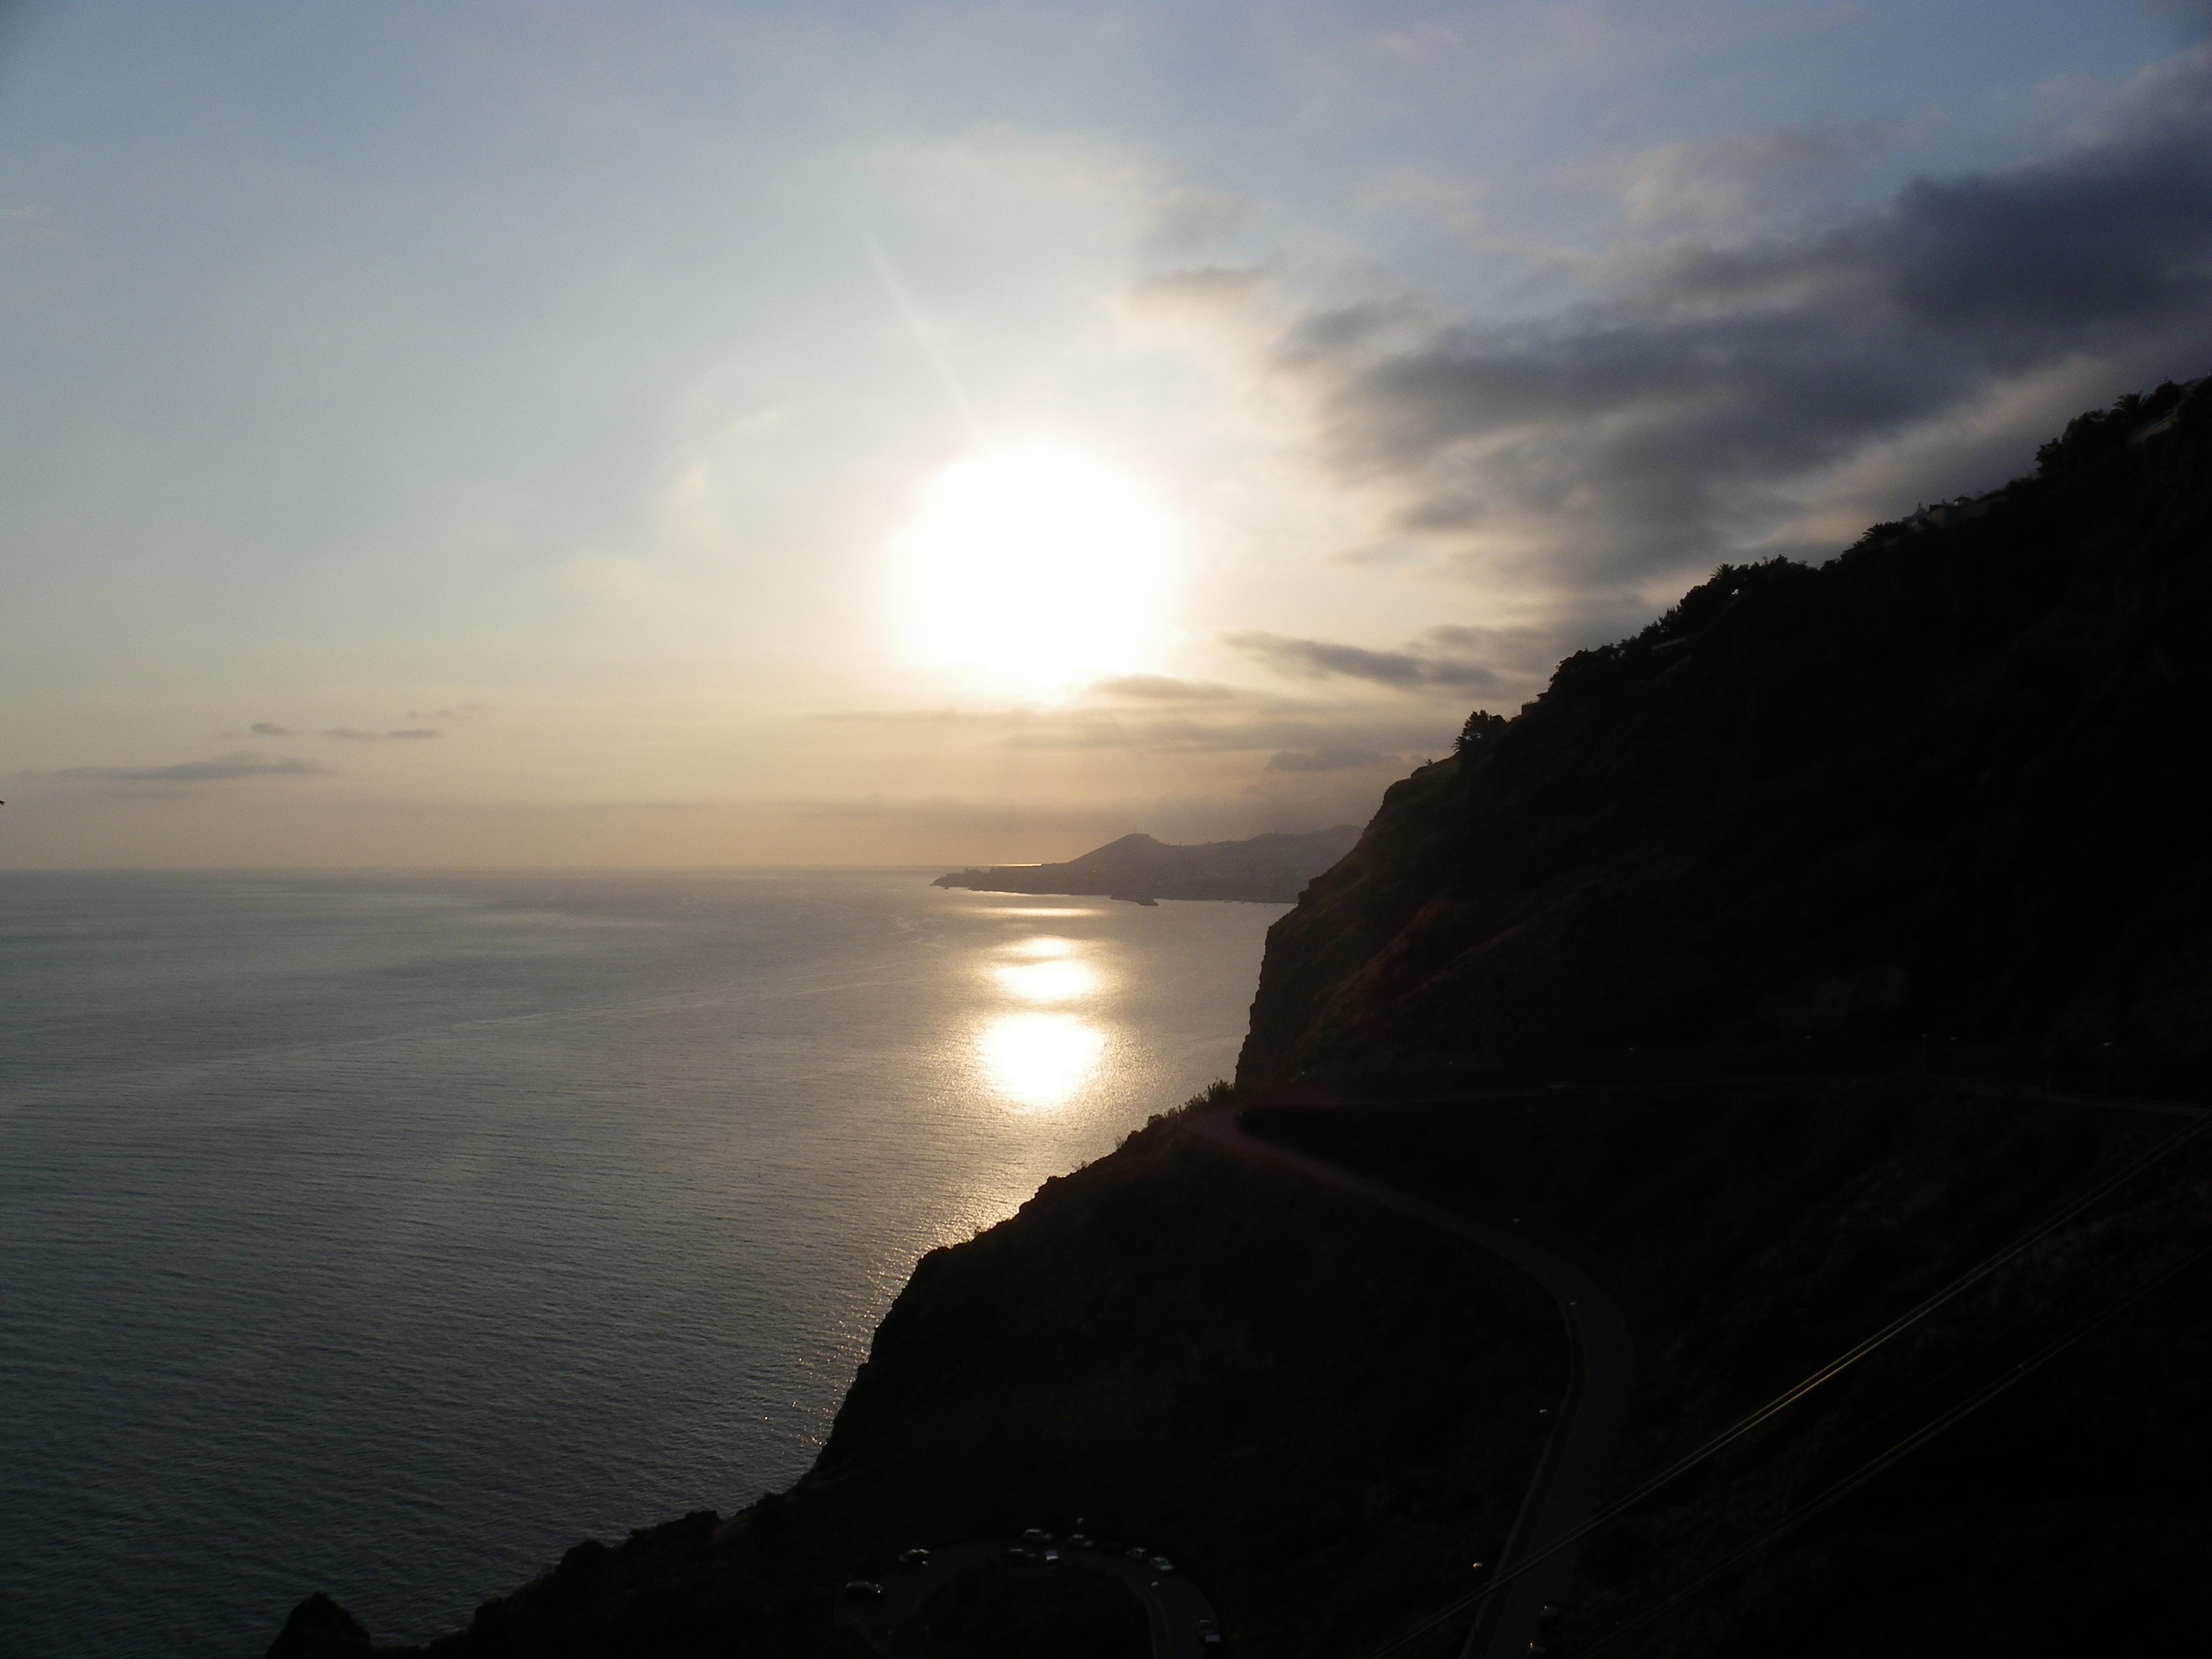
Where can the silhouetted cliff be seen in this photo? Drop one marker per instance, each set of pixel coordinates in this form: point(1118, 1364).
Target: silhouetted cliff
point(1261, 1379)
point(1940, 784)
point(1265, 869)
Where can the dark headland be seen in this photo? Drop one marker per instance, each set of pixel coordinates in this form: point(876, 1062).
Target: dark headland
point(1824, 973)
point(1270, 869)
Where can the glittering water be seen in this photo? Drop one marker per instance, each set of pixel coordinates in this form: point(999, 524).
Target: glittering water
point(389, 1234)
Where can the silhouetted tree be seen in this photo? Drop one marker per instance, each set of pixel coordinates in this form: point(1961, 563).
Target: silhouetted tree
point(1481, 725)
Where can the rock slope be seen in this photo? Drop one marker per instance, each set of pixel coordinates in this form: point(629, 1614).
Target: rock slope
point(1942, 784)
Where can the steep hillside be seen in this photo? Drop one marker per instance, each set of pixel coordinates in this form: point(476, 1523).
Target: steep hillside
point(1316, 1407)
point(1941, 784)
point(1753, 1236)
point(1265, 869)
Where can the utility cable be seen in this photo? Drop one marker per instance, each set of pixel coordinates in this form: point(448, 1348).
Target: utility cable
point(1912, 1443)
point(1790, 1396)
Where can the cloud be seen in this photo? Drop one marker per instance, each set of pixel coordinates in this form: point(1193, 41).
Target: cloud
point(1164, 688)
point(1695, 409)
point(1183, 219)
point(1329, 760)
point(1204, 287)
point(1416, 667)
point(223, 768)
point(1720, 179)
point(1265, 725)
point(343, 733)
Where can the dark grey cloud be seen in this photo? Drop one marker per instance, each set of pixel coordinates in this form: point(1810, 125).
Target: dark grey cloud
point(1418, 666)
point(223, 768)
point(1674, 421)
point(1330, 760)
point(270, 729)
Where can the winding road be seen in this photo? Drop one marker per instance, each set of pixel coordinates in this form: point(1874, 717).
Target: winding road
point(1602, 1374)
point(1577, 1456)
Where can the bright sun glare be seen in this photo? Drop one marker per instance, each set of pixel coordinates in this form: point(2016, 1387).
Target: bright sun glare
point(1040, 1061)
point(1034, 570)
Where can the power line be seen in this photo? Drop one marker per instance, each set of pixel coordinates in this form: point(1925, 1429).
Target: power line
point(1790, 1396)
point(1912, 1443)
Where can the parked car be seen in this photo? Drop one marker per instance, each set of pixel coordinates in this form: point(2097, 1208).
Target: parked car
point(1136, 1551)
point(1016, 1555)
point(1036, 1535)
point(862, 1589)
point(916, 1557)
point(1052, 1557)
point(1162, 1565)
point(1076, 1541)
point(1208, 1636)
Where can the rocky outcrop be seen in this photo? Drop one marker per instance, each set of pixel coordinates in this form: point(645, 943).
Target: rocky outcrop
point(1941, 785)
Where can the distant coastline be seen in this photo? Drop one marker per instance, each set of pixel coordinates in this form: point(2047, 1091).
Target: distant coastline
point(1270, 869)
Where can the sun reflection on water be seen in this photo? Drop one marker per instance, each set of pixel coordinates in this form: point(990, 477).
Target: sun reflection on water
point(1040, 1061)
point(1049, 981)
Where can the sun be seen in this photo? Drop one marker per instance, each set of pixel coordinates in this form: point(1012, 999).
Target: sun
point(1033, 570)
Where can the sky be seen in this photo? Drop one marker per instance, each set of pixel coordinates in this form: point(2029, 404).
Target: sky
point(712, 435)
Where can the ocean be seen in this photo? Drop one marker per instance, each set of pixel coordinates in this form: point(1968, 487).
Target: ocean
point(388, 1234)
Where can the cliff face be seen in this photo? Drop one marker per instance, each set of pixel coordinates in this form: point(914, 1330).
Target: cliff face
point(1267, 869)
point(1941, 785)
point(1264, 1381)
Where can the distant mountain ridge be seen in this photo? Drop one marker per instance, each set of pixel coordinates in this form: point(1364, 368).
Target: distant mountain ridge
point(1269, 869)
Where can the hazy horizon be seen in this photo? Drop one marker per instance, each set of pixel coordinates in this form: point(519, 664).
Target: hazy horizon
point(739, 437)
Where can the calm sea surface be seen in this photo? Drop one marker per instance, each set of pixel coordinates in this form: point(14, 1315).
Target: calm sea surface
point(389, 1234)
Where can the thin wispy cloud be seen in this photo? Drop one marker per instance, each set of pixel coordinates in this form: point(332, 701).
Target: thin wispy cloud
point(221, 768)
point(1267, 726)
point(1164, 688)
point(1414, 668)
point(1333, 760)
point(342, 734)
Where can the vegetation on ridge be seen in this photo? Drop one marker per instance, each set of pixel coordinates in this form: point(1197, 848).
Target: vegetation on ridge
point(1941, 785)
